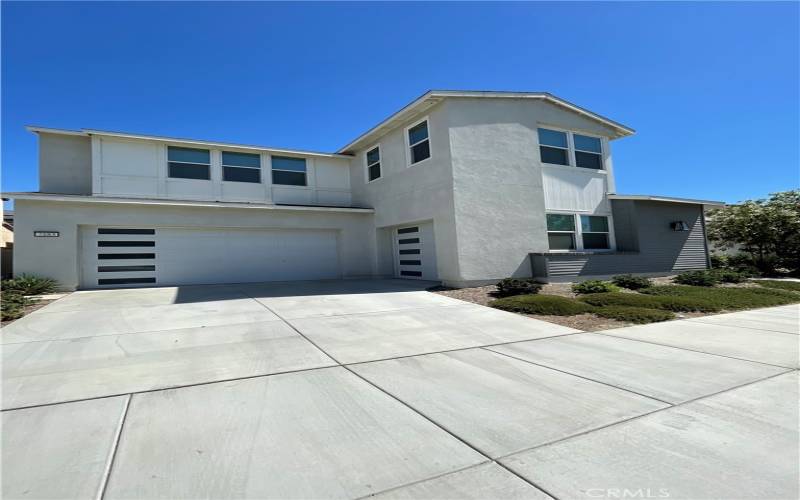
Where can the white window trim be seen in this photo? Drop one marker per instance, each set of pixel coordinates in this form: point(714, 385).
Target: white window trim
point(273, 169)
point(571, 148)
point(408, 144)
point(222, 166)
point(210, 162)
point(367, 164)
point(612, 242)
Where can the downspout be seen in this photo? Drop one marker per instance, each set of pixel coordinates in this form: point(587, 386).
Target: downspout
point(705, 237)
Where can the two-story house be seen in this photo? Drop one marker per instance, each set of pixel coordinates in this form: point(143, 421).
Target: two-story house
point(460, 187)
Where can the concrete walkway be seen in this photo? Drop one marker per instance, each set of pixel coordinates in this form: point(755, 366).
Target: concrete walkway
point(346, 389)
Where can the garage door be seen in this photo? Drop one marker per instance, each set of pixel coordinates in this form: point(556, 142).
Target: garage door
point(136, 256)
point(415, 252)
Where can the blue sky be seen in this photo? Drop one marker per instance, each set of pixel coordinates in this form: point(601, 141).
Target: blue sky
point(711, 88)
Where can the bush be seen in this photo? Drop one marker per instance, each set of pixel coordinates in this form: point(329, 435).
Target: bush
point(634, 314)
point(697, 278)
point(730, 276)
point(669, 303)
point(11, 305)
point(28, 284)
point(729, 298)
point(542, 304)
point(631, 282)
point(516, 286)
point(793, 286)
point(594, 286)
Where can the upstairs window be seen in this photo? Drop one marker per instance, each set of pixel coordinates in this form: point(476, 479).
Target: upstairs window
point(561, 231)
point(418, 142)
point(594, 232)
point(241, 167)
point(289, 171)
point(571, 149)
point(373, 163)
point(588, 152)
point(188, 163)
point(553, 146)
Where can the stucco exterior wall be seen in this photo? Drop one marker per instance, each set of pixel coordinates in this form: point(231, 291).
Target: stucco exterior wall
point(408, 194)
point(59, 258)
point(65, 164)
point(499, 199)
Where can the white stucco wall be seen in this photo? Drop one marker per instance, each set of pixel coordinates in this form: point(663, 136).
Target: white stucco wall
point(65, 164)
point(138, 168)
point(499, 194)
point(59, 257)
point(409, 194)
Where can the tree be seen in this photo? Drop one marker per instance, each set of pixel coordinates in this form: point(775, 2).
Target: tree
point(769, 230)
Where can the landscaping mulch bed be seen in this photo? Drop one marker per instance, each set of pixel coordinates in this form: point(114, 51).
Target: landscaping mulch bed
point(27, 309)
point(587, 322)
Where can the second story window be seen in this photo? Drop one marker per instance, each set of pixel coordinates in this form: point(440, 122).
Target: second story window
point(571, 149)
point(553, 146)
point(419, 143)
point(188, 163)
point(288, 171)
point(588, 152)
point(373, 163)
point(594, 232)
point(241, 167)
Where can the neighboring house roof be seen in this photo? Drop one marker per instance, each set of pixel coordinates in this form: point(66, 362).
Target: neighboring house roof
point(419, 105)
point(434, 97)
point(647, 197)
point(192, 203)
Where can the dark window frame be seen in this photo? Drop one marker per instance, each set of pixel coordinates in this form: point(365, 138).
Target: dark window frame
point(422, 144)
point(375, 165)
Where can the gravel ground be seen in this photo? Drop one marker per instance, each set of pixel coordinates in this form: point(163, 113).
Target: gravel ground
point(586, 322)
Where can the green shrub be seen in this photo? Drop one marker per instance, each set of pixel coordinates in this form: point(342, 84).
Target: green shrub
point(730, 276)
point(11, 305)
point(633, 314)
point(631, 282)
point(729, 298)
point(697, 278)
point(517, 286)
point(594, 286)
point(677, 304)
point(28, 284)
point(542, 304)
point(793, 286)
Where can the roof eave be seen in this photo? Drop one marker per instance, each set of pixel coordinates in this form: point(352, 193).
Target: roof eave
point(433, 97)
point(667, 199)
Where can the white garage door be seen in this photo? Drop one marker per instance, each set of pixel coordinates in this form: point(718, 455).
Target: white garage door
point(114, 256)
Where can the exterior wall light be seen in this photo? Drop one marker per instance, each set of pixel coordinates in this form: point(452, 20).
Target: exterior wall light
point(679, 225)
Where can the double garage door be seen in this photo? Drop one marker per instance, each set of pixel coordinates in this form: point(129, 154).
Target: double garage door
point(140, 256)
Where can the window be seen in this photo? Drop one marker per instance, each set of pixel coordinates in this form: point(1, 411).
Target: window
point(189, 163)
point(561, 231)
point(419, 143)
point(594, 232)
point(568, 148)
point(588, 152)
point(374, 163)
point(241, 167)
point(553, 146)
point(288, 171)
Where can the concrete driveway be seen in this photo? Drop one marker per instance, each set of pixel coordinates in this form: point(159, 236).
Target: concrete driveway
point(348, 389)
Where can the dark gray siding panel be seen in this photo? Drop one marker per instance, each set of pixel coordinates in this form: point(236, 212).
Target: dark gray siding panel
point(642, 225)
point(625, 225)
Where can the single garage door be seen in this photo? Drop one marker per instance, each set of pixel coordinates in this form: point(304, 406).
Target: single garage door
point(137, 256)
